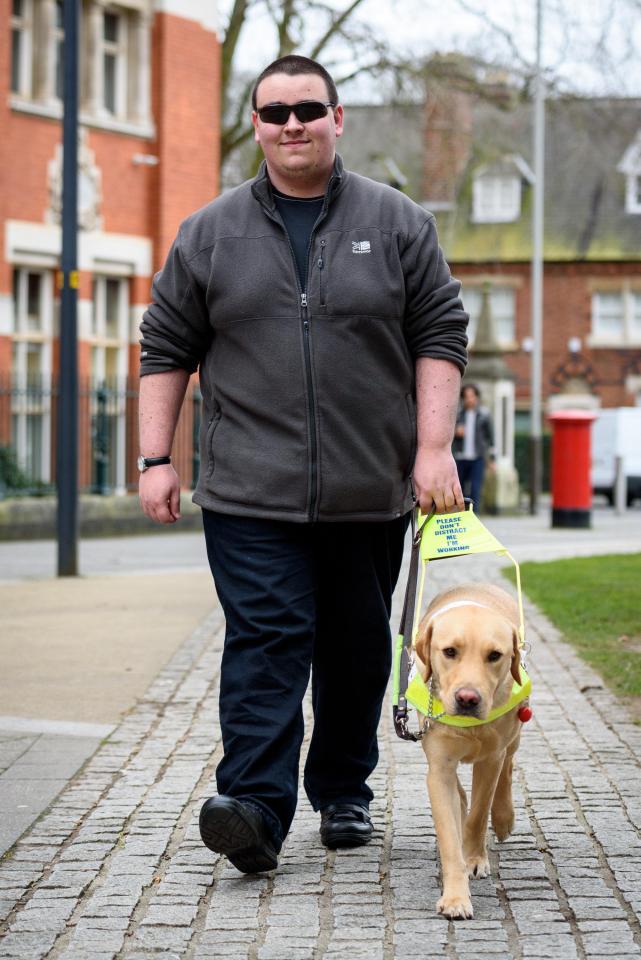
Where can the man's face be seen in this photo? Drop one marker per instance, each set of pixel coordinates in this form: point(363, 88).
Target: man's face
point(299, 156)
point(470, 400)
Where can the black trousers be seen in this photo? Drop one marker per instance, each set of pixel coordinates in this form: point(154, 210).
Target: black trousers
point(470, 474)
point(295, 597)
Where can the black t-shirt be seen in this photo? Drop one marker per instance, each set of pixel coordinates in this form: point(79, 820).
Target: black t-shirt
point(299, 216)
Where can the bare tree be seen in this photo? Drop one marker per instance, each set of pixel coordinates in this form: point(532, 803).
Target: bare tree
point(589, 48)
point(349, 47)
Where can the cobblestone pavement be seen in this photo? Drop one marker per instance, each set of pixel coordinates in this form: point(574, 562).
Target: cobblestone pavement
point(116, 868)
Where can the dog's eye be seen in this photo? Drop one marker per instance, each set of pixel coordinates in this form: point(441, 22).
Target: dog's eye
point(449, 652)
point(494, 656)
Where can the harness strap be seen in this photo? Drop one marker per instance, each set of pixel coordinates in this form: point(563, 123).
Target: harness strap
point(422, 699)
point(403, 650)
point(403, 660)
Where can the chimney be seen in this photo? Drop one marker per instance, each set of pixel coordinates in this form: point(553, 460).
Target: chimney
point(448, 141)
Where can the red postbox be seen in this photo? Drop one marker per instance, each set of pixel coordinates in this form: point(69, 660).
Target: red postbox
point(571, 463)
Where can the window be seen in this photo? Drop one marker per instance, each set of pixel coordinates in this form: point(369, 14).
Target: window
point(31, 369)
point(109, 330)
point(21, 47)
point(115, 60)
point(630, 165)
point(496, 199)
point(114, 63)
point(633, 193)
point(616, 317)
point(503, 307)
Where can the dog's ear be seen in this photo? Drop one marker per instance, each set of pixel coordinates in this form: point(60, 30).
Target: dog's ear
point(515, 668)
point(424, 648)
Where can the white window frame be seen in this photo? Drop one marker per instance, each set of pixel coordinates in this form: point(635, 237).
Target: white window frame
point(496, 198)
point(24, 25)
point(22, 408)
point(475, 288)
point(633, 193)
point(630, 335)
point(100, 342)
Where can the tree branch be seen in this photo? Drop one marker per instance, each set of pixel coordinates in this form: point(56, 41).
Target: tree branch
point(236, 22)
point(335, 25)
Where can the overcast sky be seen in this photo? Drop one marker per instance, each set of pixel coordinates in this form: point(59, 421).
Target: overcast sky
point(593, 46)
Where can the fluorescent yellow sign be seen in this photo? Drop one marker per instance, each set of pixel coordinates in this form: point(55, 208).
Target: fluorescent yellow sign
point(455, 534)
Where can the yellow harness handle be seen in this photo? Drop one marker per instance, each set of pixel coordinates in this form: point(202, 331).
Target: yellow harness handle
point(441, 536)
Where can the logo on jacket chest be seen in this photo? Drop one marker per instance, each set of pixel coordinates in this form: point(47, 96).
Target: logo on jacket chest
point(361, 246)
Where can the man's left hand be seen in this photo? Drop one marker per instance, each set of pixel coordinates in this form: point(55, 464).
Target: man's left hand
point(436, 481)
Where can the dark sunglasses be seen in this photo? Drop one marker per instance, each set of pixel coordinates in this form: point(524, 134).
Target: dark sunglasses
point(305, 111)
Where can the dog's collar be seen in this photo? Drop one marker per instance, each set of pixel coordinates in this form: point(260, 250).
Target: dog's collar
point(418, 695)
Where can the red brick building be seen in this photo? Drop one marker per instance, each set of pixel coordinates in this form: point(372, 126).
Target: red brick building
point(149, 155)
point(469, 161)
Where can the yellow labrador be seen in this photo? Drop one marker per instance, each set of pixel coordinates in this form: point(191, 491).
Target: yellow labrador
point(468, 643)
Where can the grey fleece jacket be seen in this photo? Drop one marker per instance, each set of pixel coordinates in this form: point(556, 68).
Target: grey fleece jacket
point(308, 397)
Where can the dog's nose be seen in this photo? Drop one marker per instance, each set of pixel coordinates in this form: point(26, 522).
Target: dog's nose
point(467, 698)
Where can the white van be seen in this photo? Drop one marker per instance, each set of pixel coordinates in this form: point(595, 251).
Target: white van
point(617, 433)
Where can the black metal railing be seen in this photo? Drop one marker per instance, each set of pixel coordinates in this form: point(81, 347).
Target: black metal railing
point(107, 436)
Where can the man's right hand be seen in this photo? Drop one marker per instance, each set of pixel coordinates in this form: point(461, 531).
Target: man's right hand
point(159, 490)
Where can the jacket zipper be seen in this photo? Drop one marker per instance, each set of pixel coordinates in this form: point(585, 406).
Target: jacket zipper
point(321, 266)
point(311, 405)
point(311, 402)
point(306, 319)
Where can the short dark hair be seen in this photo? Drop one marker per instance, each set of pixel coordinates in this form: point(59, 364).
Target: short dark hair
point(470, 386)
point(294, 65)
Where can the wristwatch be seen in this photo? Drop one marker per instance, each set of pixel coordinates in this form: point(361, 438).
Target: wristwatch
point(145, 462)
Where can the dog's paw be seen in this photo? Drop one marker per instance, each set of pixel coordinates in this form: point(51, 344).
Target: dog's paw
point(455, 907)
point(478, 866)
point(503, 824)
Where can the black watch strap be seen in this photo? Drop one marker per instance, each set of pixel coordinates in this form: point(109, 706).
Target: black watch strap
point(145, 462)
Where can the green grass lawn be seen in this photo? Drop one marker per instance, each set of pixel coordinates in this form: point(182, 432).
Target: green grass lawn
point(596, 603)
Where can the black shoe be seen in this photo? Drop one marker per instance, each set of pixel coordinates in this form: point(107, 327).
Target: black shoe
point(345, 825)
point(238, 830)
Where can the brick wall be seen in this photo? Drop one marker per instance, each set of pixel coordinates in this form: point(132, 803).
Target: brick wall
point(138, 200)
point(567, 307)
point(186, 107)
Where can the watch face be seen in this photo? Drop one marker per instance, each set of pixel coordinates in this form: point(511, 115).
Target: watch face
point(142, 466)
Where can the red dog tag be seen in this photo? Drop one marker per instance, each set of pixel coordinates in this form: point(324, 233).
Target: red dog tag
point(524, 714)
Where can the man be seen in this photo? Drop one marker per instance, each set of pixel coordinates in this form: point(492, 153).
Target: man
point(473, 442)
point(317, 306)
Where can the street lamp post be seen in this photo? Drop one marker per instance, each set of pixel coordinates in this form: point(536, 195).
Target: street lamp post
point(536, 457)
point(67, 426)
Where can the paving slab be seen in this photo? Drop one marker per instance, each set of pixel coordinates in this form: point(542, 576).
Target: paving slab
point(76, 655)
point(115, 867)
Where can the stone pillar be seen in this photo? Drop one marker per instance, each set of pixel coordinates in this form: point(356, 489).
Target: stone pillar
point(95, 69)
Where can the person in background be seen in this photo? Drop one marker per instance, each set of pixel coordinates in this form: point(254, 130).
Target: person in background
point(473, 445)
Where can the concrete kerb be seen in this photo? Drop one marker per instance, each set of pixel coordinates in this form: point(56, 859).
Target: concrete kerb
point(115, 868)
point(35, 518)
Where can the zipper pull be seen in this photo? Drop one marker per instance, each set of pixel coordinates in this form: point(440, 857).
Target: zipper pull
point(320, 259)
point(303, 300)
